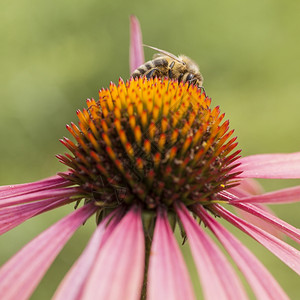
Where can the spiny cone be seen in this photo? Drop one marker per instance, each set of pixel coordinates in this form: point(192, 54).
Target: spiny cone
point(150, 143)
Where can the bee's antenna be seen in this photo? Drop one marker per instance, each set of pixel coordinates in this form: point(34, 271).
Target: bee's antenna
point(164, 52)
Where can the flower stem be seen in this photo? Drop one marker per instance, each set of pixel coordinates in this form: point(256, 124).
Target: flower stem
point(148, 241)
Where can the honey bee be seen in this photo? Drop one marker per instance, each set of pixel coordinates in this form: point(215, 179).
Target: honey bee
point(165, 64)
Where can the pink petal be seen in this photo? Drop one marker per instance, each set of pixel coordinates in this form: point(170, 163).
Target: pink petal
point(136, 50)
point(168, 277)
point(118, 269)
point(270, 166)
point(22, 273)
point(71, 287)
point(260, 222)
point(13, 216)
point(248, 185)
point(282, 250)
point(218, 278)
point(263, 284)
point(288, 195)
point(21, 189)
point(263, 215)
point(39, 195)
point(275, 222)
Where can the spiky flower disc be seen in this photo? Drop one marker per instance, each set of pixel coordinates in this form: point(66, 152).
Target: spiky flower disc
point(150, 143)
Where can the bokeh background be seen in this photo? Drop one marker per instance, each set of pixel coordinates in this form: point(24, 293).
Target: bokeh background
point(55, 54)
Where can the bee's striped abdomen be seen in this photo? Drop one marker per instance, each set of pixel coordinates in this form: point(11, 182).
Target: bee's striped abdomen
point(152, 64)
point(160, 62)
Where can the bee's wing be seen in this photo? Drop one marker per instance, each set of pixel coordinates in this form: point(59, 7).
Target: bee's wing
point(164, 52)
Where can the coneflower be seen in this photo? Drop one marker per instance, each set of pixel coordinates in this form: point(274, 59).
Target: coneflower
point(145, 157)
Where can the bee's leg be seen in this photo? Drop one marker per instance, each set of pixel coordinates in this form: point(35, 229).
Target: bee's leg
point(202, 88)
point(151, 73)
point(170, 75)
point(190, 79)
point(180, 77)
point(193, 81)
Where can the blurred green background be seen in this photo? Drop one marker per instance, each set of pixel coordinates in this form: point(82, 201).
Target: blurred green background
point(55, 54)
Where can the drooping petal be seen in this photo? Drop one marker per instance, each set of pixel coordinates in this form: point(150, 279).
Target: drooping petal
point(218, 278)
point(260, 222)
point(168, 276)
point(249, 186)
point(282, 250)
point(270, 166)
point(53, 182)
point(118, 269)
point(136, 56)
point(263, 284)
point(236, 196)
point(288, 195)
point(21, 274)
point(13, 216)
point(36, 196)
point(71, 287)
point(277, 223)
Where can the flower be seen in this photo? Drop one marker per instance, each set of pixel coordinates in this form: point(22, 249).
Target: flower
point(151, 154)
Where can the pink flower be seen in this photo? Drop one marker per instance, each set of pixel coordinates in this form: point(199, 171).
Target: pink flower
point(148, 155)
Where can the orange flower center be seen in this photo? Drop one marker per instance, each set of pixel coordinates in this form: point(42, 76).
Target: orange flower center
point(150, 143)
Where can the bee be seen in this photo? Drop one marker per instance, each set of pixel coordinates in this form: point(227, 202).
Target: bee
point(165, 64)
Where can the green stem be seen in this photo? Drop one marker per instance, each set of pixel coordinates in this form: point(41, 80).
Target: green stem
point(147, 257)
